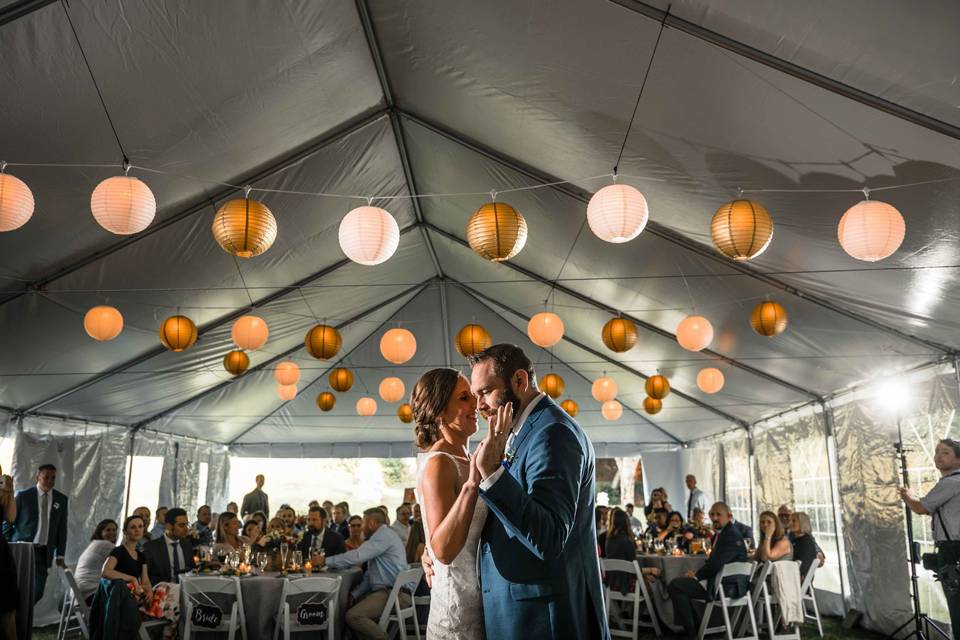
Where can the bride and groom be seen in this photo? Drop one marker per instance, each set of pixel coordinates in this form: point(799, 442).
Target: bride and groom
point(511, 538)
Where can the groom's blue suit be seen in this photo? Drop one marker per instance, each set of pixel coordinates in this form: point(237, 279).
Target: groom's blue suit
point(539, 569)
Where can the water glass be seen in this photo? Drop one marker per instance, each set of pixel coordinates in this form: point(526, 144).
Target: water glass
point(262, 560)
point(284, 550)
point(298, 559)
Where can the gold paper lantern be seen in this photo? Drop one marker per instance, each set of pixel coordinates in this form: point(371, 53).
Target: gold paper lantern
point(552, 385)
point(287, 392)
point(236, 362)
point(604, 389)
point(694, 333)
point(657, 387)
point(392, 389)
point(405, 413)
point(244, 227)
point(323, 342)
point(871, 230)
point(769, 318)
point(472, 339)
point(617, 213)
point(366, 406)
point(570, 407)
point(341, 379)
point(123, 205)
point(652, 405)
point(103, 323)
point(741, 229)
point(545, 329)
point(16, 202)
point(496, 231)
point(369, 235)
point(398, 345)
point(326, 400)
point(287, 373)
point(612, 410)
point(178, 333)
point(710, 380)
point(619, 334)
point(250, 332)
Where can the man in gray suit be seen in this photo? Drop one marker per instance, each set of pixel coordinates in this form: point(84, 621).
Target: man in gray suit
point(256, 500)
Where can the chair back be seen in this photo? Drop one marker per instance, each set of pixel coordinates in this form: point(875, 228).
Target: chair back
point(301, 590)
point(407, 580)
point(623, 566)
point(222, 591)
point(807, 583)
point(732, 570)
point(78, 601)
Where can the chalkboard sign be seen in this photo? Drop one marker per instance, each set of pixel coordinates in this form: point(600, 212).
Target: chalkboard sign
point(207, 616)
point(314, 613)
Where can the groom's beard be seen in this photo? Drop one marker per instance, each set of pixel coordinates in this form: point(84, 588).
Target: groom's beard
point(509, 397)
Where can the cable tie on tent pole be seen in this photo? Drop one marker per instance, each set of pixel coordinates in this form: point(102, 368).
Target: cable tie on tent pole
point(493, 195)
point(126, 166)
point(3, 166)
point(866, 193)
point(246, 191)
point(369, 202)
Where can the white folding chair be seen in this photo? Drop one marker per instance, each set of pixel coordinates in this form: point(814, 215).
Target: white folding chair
point(317, 588)
point(419, 601)
point(809, 595)
point(727, 604)
point(395, 611)
point(767, 602)
point(207, 590)
point(74, 614)
point(760, 573)
point(146, 625)
point(638, 597)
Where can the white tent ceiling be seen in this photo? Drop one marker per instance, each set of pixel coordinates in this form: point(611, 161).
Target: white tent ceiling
point(394, 99)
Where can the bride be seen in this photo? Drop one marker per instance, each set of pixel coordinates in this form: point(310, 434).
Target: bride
point(445, 413)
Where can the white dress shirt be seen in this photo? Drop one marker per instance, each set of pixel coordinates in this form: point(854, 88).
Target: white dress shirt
point(169, 541)
point(403, 530)
point(518, 424)
point(36, 538)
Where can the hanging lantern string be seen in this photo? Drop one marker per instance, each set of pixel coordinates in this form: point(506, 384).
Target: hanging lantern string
point(309, 308)
point(243, 281)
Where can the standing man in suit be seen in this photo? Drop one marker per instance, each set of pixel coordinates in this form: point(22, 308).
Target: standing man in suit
point(171, 554)
point(42, 520)
point(256, 500)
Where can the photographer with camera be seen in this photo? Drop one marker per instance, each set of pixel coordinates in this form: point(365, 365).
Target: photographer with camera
point(943, 504)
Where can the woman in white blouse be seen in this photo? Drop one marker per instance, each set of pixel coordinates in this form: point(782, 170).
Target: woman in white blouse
point(102, 542)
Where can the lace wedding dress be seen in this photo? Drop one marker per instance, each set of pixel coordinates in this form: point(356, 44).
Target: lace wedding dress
point(456, 606)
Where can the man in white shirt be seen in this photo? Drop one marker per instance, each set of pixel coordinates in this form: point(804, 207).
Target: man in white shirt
point(402, 523)
point(696, 499)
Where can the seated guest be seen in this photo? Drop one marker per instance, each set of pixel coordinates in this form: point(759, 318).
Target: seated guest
point(416, 543)
point(172, 553)
point(674, 526)
point(785, 513)
point(402, 524)
point(386, 558)
point(319, 536)
point(276, 524)
point(727, 547)
point(228, 534)
point(312, 504)
point(658, 500)
point(356, 533)
point(328, 507)
point(90, 564)
point(341, 516)
point(289, 517)
point(253, 536)
point(634, 522)
point(127, 563)
point(260, 518)
point(386, 513)
point(202, 525)
point(620, 545)
point(698, 527)
point(602, 517)
point(157, 530)
point(232, 507)
point(658, 522)
point(805, 548)
point(144, 514)
point(416, 513)
point(774, 544)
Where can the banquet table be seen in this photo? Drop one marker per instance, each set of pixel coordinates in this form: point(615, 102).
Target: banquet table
point(261, 599)
point(23, 559)
point(670, 567)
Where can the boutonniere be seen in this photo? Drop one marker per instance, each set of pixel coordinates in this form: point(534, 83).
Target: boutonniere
point(508, 458)
point(56, 505)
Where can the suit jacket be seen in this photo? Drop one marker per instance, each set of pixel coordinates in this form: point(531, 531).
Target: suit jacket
point(539, 570)
point(331, 542)
point(746, 533)
point(158, 560)
point(24, 528)
point(727, 547)
point(255, 501)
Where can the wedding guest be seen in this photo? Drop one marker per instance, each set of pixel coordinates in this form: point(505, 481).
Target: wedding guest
point(319, 536)
point(312, 504)
point(356, 533)
point(260, 518)
point(805, 548)
point(658, 522)
point(90, 564)
point(696, 499)
point(774, 544)
point(658, 500)
point(228, 534)
point(386, 513)
point(328, 507)
point(402, 523)
point(144, 513)
point(416, 513)
point(289, 517)
point(728, 547)
point(697, 527)
point(157, 530)
point(41, 518)
point(602, 515)
point(386, 558)
point(674, 526)
point(252, 535)
point(202, 525)
point(233, 508)
point(785, 513)
point(634, 522)
point(256, 500)
point(276, 524)
point(171, 554)
point(416, 543)
point(129, 564)
point(9, 592)
point(341, 515)
point(620, 545)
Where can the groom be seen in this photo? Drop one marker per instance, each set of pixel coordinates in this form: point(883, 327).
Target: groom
point(539, 570)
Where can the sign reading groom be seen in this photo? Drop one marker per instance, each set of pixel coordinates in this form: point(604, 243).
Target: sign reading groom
point(539, 569)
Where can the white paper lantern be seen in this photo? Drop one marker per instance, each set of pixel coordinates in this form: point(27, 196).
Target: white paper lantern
point(398, 345)
point(16, 202)
point(604, 389)
point(694, 333)
point(545, 329)
point(612, 410)
point(369, 235)
point(123, 205)
point(250, 332)
point(366, 406)
point(287, 373)
point(617, 213)
point(287, 392)
point(871, 230)
point(710, 380)
point(392, 389)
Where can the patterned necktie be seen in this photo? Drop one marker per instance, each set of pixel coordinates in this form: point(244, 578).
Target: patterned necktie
point(176, 562)
point(44, 517)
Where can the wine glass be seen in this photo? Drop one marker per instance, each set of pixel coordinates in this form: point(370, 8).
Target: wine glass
point(284, 550)
point(262, 560)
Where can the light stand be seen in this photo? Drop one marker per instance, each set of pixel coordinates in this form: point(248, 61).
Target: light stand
point(921, 621)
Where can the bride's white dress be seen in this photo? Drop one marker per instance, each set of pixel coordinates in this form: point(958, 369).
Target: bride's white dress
point(456, 606)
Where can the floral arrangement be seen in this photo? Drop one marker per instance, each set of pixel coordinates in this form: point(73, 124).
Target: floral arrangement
point(277, 537)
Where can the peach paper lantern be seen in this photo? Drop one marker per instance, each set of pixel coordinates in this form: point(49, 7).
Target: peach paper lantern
point(244, 227)
point(123, 205)
point(496, 231)
point(472, 339)
point(323, 342)
point(769, 319)
point(652, 405)
point(178, 333)
point(617, 213)
point(552, 385)
point(405, 413)
point(236, 362)
point(287, 392)
point(710, 380)
point(250, 332)
point(570, 407)
point(741, 229)
point(16, 202)
point(398, 345)
point(369, 235)
point(545, 329)
point(287, 373)
point(694, 333)
point(326, 401)
point(366, 406)
point(619, 334)
point(341, 379)
point(871, 230)
point(657, 387)
point(612, 410)
point(392, 389)
point(103, 323)
point(604, 389)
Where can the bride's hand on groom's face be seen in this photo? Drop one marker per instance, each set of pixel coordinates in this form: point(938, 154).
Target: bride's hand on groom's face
point(490, 453)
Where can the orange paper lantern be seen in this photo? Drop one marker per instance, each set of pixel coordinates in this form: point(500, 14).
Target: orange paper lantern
point(398, 345)
point(236, 362)
point(405, 413)
point(287, 373)
point(244, 227)
point(741, 229)
point(604, 389)
point(16, 202)
point(287, 392)
point(570, 407)
point(250, 332)
point(366, 406)
point(472, 339)
point(392, 389)
point(341, 379)
point(545, 329)
point(178, 333)
point(657, 387)
point(769, 319)
point(710, 380)
point(694, 333)
point(326, 400)
point(496, 231)
point(552, 385)
point(652, 405)
point(619, 334)
point(611, 410)
point(103, 323)
point(323, 342)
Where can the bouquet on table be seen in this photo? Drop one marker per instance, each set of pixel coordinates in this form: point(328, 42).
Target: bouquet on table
point(277, 537)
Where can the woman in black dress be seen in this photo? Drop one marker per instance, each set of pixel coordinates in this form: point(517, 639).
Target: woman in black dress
point(804, 546)
point(127, 563)
point(9, 596)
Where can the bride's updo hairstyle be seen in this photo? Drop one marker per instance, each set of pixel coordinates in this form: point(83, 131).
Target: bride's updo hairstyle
point(429, 400)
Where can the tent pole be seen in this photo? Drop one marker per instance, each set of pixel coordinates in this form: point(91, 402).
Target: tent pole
point(126, 500)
